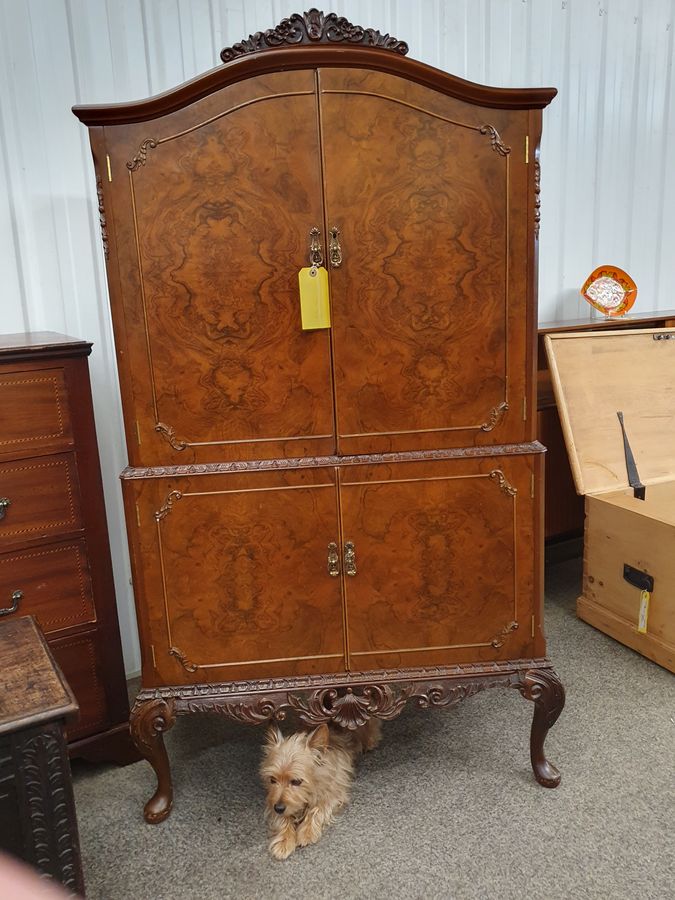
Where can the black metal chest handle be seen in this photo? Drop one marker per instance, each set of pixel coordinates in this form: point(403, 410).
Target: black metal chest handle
point(17, 596)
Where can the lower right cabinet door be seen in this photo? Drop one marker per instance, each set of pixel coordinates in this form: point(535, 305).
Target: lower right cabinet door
point(440, 561)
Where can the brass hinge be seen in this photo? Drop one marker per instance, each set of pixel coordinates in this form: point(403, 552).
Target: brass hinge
point(154, 661)
point(138, 431)
point(532, 486)
point(532, 626)
point(138, 516)
point(527, 148)
point(524, 409)
point(108, 166)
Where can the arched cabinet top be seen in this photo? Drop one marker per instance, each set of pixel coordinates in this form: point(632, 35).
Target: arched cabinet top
point(307, 41)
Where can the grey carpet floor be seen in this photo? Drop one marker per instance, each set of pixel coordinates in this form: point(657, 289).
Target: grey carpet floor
point(446, 807)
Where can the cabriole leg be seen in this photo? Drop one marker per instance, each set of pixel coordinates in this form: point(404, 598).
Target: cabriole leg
point(544, 688)
point(149, 720)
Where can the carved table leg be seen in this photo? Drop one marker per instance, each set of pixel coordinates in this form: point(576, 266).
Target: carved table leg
point(544, 688)
point(149, 720)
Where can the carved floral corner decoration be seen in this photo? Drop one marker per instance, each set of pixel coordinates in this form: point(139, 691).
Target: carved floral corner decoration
point(142, 155)
point(495, 140)
point(164, 510)
point(495, 417)
point(181, 657)
point(498, 476)
point(313, 27)
point(498, 640)
point(168, 432)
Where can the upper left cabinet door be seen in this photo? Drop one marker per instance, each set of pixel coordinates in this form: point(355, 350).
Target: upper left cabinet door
point(212, 211)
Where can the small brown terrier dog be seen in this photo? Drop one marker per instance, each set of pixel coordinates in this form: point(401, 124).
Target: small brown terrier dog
point(308, 776)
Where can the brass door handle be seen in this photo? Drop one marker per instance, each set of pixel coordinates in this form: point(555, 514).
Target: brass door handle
point(4, 503)
point(333, 560)
point(334, 248)
point(350, 558)
point(8, 610)
point(315, 253)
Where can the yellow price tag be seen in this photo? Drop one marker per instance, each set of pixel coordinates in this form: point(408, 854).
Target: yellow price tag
point(644, 612)
point(314, 300)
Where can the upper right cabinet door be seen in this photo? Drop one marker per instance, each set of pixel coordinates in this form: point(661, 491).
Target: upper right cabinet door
point(430, 298)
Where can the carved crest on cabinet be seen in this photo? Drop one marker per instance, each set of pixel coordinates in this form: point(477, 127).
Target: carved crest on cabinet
point(495, 140)
point(313, 27)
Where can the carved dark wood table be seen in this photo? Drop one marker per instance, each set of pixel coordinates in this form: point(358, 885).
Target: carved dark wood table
point(37, 810)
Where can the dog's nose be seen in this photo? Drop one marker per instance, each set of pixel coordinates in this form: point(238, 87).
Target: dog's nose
point(279, 808)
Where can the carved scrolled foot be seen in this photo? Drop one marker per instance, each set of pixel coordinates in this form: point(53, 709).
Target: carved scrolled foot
point(544, 688)
point(148, 721)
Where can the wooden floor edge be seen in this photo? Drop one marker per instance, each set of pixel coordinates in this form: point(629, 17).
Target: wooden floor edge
point(608, 622)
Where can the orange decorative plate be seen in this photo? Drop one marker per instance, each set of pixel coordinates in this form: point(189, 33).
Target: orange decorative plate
point(611, 290)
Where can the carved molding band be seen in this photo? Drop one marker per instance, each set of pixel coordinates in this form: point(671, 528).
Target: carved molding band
point(168, 432)
point(310, 462)
point(495, 140)
point(313, 27)
point(142, 155)
point(344, 704)
point(537, 197)
point(101, 216)
point(498, 476)
point(166, 508)
point(495, 417)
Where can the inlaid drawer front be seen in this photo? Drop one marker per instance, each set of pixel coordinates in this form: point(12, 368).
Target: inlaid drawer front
point(38, 497)
point(76, 658)
point(34, 410)
point(51, 583)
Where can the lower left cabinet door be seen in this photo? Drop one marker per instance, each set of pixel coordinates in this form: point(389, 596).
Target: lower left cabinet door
point(231, 575)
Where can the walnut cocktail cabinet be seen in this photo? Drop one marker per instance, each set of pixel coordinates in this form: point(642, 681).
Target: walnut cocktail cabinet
point(342, 519)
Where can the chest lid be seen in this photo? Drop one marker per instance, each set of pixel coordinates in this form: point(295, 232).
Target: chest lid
point(595, 375)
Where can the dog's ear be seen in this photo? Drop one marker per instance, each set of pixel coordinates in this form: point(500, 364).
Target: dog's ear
point(273, 736)
point(318, 739)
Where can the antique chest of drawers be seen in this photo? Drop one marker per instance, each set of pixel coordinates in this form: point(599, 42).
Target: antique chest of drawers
point(54, 553)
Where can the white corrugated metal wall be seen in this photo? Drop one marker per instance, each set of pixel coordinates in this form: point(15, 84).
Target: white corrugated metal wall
point(608, 182)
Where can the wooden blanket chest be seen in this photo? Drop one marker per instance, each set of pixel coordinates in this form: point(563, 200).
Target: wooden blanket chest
point(629, 543)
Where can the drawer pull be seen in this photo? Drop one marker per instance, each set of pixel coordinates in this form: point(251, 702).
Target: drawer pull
point(350, 558)
point(8, 610)
point(4, 503)
point(333, 560)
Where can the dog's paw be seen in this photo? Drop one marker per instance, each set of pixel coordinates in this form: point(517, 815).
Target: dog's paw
point(308, 832)
point(281, 847)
